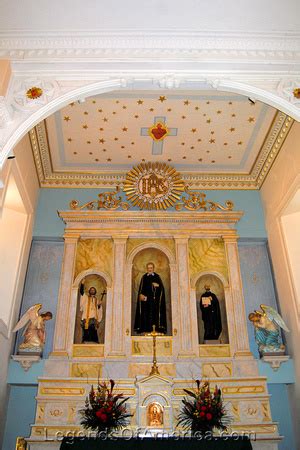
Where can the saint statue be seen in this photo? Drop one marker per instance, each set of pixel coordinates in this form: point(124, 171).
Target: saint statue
point(155, 418)
point(34, 334)
point(267, 324)
point(91, 315)
point(151, 303)
point(211, 315)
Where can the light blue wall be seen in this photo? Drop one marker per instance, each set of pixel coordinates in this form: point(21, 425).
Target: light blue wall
point(20, 414)
point(258, 284)
point(49, 224)
point(279, 402)
point(42, 282)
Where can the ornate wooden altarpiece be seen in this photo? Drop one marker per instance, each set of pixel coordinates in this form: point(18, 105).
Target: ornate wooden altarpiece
point(117, 233)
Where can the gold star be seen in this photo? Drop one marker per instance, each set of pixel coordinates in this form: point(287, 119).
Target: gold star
point(105, 119)
point(232, 115)
point(70, 139)
point(212, 141)
point(231, 129)
point(116, 139)
point(186, 102)
point(197, 108)
point(85, 113)
point(140, 102)
point(88, 142)
point(199, 140)
point(251, 119)
point(72, 104)
point(207, 103)
point(96, 159)
point(183, 117)
point(101, 129)
point(208, 120)
point(85, 126)
point(225, 143)
point(100, 110)
point(212, 132)
point(101, 141)
point(136, 116)
point(124, 129)
point(162, 98)
point(94, 101)
point(124, 107)
point(240, 143)
point(129, 156)
point(74, 153)
point(219, 111)
point(67, 118)
point(193, 130)
point(182, 143)
point(229, 103)
point(151, 109)
point(108, 159)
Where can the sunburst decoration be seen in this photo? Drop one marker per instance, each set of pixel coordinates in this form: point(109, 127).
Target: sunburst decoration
point(153, 185)
point(34, 92)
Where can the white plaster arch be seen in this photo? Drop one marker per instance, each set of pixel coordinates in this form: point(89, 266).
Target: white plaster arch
point(218, 275)
point(15, 131)
point(154, 398)
point(92, 271)
point(146, 245)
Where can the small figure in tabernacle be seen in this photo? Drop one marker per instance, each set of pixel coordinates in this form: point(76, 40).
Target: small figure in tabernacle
point(151, 303)
point(267, 324)
point(34, 334)
point(91, 316)
point(211, 315)
point(155, 415)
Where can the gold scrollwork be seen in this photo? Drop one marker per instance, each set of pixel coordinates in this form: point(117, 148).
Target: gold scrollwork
point(106, 200)
point(197, 200)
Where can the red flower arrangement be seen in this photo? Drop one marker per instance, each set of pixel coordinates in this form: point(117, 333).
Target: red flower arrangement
point(204, 411)
point(104, 410)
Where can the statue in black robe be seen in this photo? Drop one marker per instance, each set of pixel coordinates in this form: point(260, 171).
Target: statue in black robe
point(211, 315)
point(151, 303)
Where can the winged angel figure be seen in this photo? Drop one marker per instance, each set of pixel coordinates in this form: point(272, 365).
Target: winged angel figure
point(34, 328)
point(267, 324)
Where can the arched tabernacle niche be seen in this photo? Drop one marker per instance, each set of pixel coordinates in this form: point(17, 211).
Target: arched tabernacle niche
point(97, 281)
point(162, 267)
point(217, 287)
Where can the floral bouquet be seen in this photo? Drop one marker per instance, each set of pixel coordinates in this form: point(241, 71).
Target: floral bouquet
point(103, 410)
point(204, 410)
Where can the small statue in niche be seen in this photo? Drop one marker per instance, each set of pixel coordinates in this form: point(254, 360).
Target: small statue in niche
point(151, 303)
point(91, 315)
point(267, 324)
point(155, 415)
point(211, 315)
point(34, 335)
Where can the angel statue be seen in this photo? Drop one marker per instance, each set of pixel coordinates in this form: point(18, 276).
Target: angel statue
point(34, 334)
point(267, 324)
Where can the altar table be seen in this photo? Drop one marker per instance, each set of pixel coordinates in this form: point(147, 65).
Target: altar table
point(216, 443)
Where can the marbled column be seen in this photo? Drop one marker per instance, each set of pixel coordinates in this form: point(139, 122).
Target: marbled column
point(241, 342)
point(60, 342)
point(187, 322)
point(117, 335)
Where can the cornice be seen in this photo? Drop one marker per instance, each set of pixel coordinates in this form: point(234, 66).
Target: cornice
point(68, 44)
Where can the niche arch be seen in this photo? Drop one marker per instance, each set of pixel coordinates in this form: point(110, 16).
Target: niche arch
point(102, 282)
point(164, 262)
point(219, 286)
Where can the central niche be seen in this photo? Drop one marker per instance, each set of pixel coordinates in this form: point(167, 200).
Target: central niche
point(161, 267)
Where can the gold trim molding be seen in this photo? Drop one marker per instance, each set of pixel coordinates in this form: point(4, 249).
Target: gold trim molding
point(50, 178)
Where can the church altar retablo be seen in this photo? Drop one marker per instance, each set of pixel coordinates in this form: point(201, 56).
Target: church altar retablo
point(101, 330)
